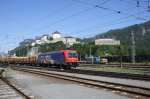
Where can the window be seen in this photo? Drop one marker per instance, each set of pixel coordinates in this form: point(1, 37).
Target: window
point(72, 55)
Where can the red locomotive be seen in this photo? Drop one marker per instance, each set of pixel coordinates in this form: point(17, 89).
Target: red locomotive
point(62, 58)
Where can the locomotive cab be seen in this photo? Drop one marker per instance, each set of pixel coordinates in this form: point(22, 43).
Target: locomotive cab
point(71, 58)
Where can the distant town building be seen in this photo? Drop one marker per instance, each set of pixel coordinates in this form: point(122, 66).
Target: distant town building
point(33, 51)
point(33, 43)
point(56, 35)
point(66, 40)
point(70, 40)
point(44, 38)
point(38, 41)
point(107, 42)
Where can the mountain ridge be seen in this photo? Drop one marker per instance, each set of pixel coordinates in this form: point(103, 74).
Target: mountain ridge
point(141, 34)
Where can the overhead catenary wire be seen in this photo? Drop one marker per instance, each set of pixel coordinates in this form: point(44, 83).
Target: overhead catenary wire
point(94, 27)
point(108, 24)
point(14, 20)
point(117, 23)
point(40, 20)
point(58, 22)
point(76, 14)
point(90, 3)
point(137, 3)
point(29, 27)
point(54, 13)
point(86, 10)
point(87, 34)
point(94, 6)
point(91, 19)
point(81, 12)
point(105, 24)
point(104, 8)
point(66, 18)
point(71, 16)
point(121, 18)
point(148, 6)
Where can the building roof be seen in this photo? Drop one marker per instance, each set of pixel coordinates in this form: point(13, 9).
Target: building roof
point(56, 32)
point(68, 37)
point(106, 39)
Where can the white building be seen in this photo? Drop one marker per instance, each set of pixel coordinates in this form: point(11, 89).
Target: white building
point(56, 35)
point(107, 42)
point(39, 42)
point(69, 41)
point(33, 43)
point(44, 38)
point(66, 40)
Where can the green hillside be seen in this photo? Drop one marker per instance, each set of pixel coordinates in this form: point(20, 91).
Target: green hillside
point(142, 48)
point(141, 32)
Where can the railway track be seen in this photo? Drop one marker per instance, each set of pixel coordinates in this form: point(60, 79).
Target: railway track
point(10, 90)
point(128, 66)
point(112, 74)
point(96, 73)
point(121, 89)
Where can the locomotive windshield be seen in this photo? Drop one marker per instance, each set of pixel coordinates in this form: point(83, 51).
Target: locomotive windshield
point(72, 55)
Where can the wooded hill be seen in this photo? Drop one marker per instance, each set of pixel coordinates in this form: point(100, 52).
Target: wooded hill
point(141, 35)
point(142, 45)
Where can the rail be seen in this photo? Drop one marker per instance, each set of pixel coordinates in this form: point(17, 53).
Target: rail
point(17, 89)
point(140, 91)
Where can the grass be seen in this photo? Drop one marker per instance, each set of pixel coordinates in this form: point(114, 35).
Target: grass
point(143, 63)
point(6, 72)
point(115, 69)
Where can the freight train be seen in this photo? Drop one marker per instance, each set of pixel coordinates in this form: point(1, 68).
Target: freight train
point(60, 59)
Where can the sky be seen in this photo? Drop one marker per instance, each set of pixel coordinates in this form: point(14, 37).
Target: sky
point(27, 19)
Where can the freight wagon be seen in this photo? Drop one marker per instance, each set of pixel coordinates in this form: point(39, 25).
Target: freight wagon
point(95, 60)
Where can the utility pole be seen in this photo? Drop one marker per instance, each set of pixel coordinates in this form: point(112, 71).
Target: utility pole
point(66, 42)
point(133, 47)
point(80, 57)
point(19, 52)
point(120, 56)
point(90, 51)
point(91, 56)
